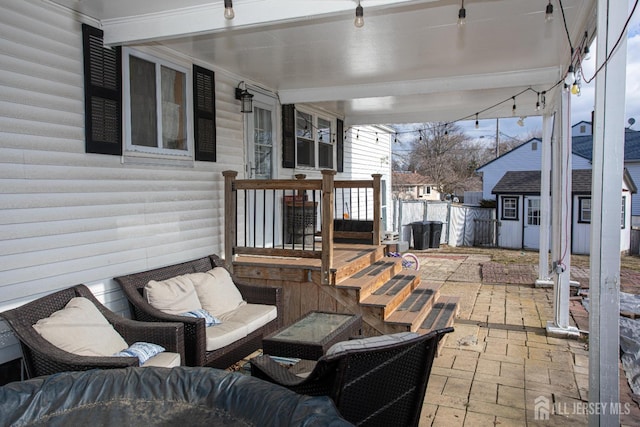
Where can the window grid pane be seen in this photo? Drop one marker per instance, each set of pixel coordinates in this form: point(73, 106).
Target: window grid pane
point(533, 212)
point(510, 208)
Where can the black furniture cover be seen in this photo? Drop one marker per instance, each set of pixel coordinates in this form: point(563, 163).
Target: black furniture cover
point(160, 397)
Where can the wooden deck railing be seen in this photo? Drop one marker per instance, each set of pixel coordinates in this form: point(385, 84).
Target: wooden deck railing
point(281, 217)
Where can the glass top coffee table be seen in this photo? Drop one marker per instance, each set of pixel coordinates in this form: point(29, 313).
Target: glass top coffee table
point(312, 335)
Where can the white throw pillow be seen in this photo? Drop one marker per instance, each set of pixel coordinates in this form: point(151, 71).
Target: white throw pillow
point(81, 329)
point(217, 292)
point(176, 295)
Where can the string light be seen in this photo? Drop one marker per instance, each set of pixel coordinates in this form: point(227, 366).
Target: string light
point(462, 15)
point(477, 124)
point(513, 109)
point(538, 102)
point(548, 13)
point(521, 121)
point(228, 9)
point(359, 21)
point(570, 78)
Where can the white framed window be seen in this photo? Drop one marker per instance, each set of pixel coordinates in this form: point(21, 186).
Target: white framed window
point(584, 209)
point(314, 141)
point(157, 106)
point(533, 211)
point(510, 208)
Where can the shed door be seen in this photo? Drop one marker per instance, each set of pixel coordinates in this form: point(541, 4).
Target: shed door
point(532, 222)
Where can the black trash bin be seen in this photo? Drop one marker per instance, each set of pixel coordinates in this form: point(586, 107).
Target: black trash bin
point(421, 233)
point(436, 232)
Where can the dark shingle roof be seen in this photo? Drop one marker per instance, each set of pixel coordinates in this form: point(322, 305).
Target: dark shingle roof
point(583, 145)
point(528, 182)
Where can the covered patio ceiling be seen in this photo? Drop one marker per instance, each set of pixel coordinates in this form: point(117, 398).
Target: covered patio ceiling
point(410, 62)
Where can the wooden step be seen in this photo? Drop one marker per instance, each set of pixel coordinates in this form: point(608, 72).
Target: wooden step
point(442, 314)
point(409, 315)
point(348, 263)
point(366, 281)
point(384, 300)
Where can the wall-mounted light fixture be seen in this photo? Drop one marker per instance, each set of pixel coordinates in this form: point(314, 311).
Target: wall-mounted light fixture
point(246, 99)
point(359, 21)
point(228, 9)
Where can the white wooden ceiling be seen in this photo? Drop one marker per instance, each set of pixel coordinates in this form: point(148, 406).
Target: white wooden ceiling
point(409, 63)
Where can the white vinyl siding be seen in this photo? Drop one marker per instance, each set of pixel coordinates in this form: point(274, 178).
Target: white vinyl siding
point(522, 158)
point(68, 217)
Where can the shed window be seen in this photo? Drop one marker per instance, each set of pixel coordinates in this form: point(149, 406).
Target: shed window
point(584, 209)
point(510, 208)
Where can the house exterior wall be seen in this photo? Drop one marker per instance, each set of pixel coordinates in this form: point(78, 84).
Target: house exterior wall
point(68, 217)
point(580, 232)
point(634, 170)
point(526, 157)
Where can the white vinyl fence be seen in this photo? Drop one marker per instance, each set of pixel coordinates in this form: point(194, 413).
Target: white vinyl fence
point(459, 223)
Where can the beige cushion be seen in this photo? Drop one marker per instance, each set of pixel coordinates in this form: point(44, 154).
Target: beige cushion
point(371, 342)
point(253, 316)
point(221, 335)
point(176, 295)
point(81, 329)
point(163, 360)
point(217, 292)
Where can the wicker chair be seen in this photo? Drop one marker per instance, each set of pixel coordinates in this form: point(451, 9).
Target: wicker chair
point(374, 386)
point(194, 328)
point(43, 358)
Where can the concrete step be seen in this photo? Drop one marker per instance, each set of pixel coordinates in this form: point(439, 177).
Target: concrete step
point(442, 314)
point(384, 300)
point(366, 281)
point(410, 314)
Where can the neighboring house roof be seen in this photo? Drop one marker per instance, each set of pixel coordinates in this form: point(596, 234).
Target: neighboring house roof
point(410, 178)
point(583, 145)
point(528, 182)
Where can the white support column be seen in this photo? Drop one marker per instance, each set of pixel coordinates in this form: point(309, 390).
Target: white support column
point(544, 279)
point(608, 158)
point(562, 218)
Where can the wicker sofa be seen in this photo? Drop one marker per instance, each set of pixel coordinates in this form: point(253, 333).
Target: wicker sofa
point(43, 358)
point(195, 337)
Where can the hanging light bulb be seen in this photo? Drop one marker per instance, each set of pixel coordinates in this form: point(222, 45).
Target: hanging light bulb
point(587, 54)
point(544, 99)
point(477, 124)
point(521, 121)
point(462, 15)
point(538, 102)
point(396, 138)
point(359, 21)
point(513, 109)
point(228, 9)
point(575, 89)
point(570, 77)
point(548, 13)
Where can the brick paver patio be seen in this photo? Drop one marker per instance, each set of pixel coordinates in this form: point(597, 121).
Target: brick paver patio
point(499, 362)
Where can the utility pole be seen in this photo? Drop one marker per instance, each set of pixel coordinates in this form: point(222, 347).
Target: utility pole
point(497, 138)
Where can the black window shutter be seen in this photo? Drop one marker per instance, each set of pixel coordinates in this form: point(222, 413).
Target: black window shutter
point(340, 145)
point(204, 109)
point(288, 136)
point(102, 94)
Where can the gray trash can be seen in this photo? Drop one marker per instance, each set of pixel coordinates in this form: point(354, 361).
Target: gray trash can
point(436, 232)
point(421, 233)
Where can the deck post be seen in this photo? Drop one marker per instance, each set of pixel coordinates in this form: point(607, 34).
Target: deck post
point(230, 217)
point(327, 225)
point(377, 208)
